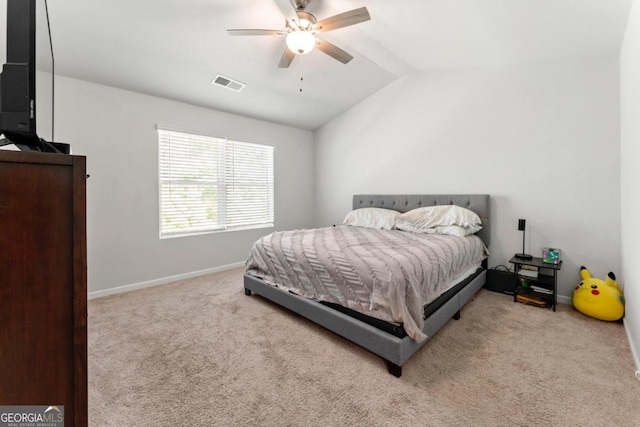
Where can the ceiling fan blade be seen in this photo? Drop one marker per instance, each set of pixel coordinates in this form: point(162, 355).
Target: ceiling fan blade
point(341, 20)
point(333, 51)
point(256, 32)
point(286, 59)
point(288, 9)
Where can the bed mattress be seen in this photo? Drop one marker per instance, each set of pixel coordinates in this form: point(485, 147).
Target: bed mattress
point(388, 275)
point(429, 309)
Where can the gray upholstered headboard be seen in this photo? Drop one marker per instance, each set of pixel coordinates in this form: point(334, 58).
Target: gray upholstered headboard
point(478, 203)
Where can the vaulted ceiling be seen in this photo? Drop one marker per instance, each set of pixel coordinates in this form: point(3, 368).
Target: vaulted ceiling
point(174, 48)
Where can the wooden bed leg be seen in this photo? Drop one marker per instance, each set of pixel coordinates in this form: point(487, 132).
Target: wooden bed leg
point(247, 292)
point(457, 315)
point(394, 369)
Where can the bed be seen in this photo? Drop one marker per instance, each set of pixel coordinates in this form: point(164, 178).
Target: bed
point(393, 338)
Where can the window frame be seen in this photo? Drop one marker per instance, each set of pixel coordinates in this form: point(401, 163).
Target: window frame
point(222, 183)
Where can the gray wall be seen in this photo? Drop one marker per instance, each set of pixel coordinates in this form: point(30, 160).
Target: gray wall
point(630, 176)
point(542, 139)
point(115, 129)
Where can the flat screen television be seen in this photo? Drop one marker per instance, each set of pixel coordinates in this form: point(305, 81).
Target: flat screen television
point(27, 77)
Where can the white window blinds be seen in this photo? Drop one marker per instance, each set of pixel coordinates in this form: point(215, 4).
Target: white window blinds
point(212, 184)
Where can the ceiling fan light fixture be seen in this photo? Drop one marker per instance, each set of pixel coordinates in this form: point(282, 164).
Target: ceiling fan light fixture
point(301, 42)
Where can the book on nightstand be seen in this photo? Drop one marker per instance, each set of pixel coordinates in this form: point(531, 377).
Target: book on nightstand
point(528, 273)
point(541, 290)
point(528, 299)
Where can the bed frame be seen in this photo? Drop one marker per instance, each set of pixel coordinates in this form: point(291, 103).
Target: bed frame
point(394, 350)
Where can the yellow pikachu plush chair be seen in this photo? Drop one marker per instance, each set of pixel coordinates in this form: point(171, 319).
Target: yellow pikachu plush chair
point(602, 299)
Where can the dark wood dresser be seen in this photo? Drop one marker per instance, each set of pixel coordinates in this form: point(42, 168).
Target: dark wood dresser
point(43, 282)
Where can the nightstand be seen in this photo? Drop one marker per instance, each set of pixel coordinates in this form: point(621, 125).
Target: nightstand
point(543, 287)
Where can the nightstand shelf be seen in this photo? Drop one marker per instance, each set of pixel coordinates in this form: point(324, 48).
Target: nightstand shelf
point(543, 287)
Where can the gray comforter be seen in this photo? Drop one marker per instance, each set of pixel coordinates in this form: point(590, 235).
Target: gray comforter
point(386, 274)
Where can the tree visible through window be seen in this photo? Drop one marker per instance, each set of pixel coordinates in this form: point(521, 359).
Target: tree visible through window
point(213, 184)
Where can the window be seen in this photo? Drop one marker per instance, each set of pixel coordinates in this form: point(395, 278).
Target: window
point(213, 184)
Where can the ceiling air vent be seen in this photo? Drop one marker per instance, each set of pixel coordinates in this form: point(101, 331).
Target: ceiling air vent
point(230, 84)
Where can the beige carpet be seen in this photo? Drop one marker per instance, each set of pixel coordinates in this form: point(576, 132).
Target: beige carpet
point(201, 353)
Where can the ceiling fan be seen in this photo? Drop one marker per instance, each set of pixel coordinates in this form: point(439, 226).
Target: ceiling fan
point(302, 28)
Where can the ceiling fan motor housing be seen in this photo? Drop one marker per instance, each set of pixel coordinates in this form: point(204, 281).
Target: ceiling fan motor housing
point(306, 19)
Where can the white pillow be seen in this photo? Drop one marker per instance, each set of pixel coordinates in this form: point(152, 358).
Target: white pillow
point(454, 230)
point(384, 219)
point(421, 219)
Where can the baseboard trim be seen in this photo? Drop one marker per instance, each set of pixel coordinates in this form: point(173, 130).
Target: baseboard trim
point(161, 281)
point(632, 345)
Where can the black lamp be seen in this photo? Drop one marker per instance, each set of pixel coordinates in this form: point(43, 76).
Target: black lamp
point(521, 226)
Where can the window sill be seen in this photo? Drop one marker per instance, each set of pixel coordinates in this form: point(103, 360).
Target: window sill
point(222, 230)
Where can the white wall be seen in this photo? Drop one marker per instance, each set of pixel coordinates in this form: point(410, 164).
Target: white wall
point(630, 175)
point(542, 139)
point(115, 129)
